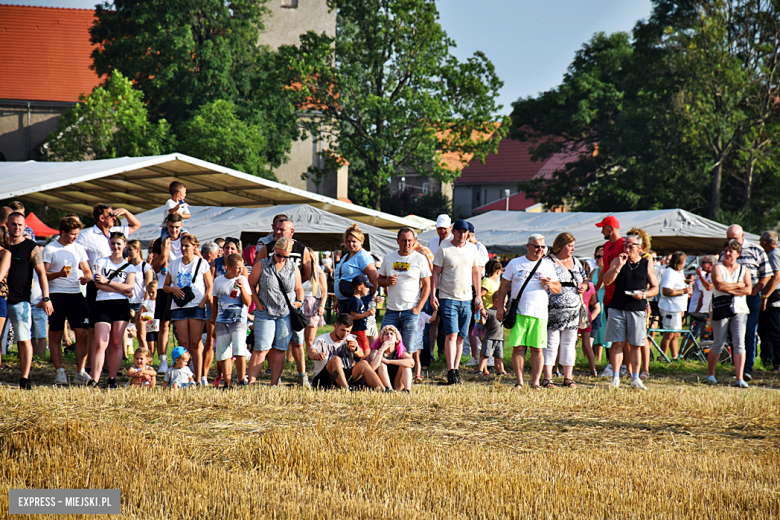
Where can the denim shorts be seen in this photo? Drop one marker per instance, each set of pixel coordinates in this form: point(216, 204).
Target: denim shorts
point(407, 323)
point(136, 307)
point(20, 316)
point(188, 313)
point(456, 316)
point(271, 331)
point(40, 323)
point(3, 308)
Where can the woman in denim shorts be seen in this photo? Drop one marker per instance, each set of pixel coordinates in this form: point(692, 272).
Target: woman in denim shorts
point(189, 314)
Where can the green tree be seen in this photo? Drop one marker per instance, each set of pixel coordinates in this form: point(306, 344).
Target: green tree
point(216, 134)
point(111, 122)
point(387, 93)
point(184, 54)
point(684, 115)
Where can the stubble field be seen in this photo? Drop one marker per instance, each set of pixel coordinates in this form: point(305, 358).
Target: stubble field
point(481, 450)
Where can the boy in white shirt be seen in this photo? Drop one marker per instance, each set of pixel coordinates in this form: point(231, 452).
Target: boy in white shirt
point(175, 205)
point(230, 321)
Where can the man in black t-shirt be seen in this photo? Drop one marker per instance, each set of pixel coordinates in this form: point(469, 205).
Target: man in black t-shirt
point(25, 258)
point(286, 229)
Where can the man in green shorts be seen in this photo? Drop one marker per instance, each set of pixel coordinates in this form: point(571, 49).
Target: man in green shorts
point(530, 328)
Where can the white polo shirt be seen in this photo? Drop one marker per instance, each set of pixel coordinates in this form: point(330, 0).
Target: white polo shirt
point(96, 243)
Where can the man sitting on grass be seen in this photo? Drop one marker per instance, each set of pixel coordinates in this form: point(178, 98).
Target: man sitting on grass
point(338, 359)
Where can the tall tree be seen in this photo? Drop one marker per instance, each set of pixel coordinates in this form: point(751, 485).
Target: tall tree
point(111, 122)
point(386, 92)
point(183, 54)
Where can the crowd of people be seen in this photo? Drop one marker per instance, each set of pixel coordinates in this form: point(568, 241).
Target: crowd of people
point(248, 307)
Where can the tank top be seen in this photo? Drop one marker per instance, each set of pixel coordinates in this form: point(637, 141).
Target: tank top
point(632, 277)
point(20, 274)
point(740, 302)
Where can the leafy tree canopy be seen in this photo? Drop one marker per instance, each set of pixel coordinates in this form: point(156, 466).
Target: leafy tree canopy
point(386, 92)
point(684, 115)
point(110, 122)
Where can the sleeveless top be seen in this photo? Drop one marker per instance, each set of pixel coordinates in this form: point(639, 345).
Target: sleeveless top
point(219, 267)
point(564, 307)
point(740, 302)
point(632, 277)
point(268, 291)
point(20, 274)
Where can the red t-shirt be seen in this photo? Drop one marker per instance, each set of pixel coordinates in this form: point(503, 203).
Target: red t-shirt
point(611, 251)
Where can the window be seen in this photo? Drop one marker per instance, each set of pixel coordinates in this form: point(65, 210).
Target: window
point(290, 4)
point(425, 188)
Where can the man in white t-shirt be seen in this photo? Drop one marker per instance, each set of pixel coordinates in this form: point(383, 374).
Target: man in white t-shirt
point(407, 277)
point(443, 233)
point(64, 260)
point(455, 269)
point(530, 328)
point(165, 251)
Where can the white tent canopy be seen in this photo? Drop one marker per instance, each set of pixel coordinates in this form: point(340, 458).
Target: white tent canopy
point(320, 230)
point(141, 183)
point(506, 232)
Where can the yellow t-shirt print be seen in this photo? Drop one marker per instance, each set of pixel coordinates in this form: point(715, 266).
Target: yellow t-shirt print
point(401, 266)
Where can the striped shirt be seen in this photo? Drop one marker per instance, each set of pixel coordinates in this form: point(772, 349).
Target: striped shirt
point(755, 260)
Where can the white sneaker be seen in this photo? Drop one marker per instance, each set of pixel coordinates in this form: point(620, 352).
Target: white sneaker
point(711, 380)
point(61, 378)
point(491, 362)
point(607, 372)
point(623, 371)
point(644, 375)
point(638, 384)
point(163, 366)
point(204, 381)
point(615, 382)
point(472, 362)
point(742, 384)
point(82, 378)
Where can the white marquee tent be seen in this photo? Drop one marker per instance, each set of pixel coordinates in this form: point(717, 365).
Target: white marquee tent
point(141, 183)
point(320, 230)
point(506, 232)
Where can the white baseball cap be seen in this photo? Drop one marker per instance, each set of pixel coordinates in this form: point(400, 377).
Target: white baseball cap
point(443, 221)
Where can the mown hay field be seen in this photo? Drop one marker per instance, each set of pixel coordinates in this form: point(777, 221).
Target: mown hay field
point(480, 450)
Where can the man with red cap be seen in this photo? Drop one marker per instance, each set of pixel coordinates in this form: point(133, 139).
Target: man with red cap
point(610, 228)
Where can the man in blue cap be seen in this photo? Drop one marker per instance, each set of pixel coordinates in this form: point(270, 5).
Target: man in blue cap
point(456, 268)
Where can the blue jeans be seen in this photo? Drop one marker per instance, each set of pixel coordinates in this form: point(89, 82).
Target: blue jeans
point(271, 331)
point(406, 322)
point(456, 316)
point(754, 304)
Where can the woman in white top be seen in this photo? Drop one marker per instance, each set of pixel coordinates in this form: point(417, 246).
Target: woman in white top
point(143, 277)
point(190, 271)
point(315, 293)
point(730, 279)
point(673, 301)
point(115, 280)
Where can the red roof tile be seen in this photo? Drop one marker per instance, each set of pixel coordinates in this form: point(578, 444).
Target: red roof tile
point(512, 163)
point(517, 202)
point(45, 53)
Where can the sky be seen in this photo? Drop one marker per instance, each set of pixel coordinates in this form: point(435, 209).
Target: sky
point(530, 42)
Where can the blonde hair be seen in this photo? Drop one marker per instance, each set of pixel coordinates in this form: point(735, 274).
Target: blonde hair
point(192, 239)
point(142, 352)
point(561, 241)
point(643, 236)
point(284, 244)
point(152, 286)
point(354, 230)
point(135, 244)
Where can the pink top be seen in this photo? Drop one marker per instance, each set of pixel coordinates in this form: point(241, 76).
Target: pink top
point(586, 297)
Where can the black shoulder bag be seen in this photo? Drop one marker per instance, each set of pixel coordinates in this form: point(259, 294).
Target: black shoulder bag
point(345, 286)
point(724, 306)
point(188, 294)
point(113, 275)
point(297, 319)
point(510, 316)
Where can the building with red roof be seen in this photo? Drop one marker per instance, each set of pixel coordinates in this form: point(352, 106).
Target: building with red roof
point(46, 57)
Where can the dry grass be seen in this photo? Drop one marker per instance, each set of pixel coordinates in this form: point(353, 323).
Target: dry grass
point(476, 451)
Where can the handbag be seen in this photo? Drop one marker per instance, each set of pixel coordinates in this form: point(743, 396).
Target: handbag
point(297, 320)
point(511, 313)
point(189, 295)
point(724, 306)
point(584, 317)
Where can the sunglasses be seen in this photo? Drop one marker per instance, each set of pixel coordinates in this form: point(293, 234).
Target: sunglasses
point(599, 256)
point(117, 234)
point(535, 246)
point(281, 257)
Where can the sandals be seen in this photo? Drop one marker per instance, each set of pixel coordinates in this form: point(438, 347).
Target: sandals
point(502, 373)
point(418, 379)
point(569, 383)
point(546, 383)
point(519, 386)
